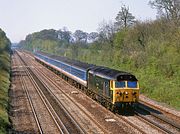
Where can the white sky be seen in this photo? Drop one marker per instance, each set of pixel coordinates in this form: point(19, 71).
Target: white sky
point(21, 17)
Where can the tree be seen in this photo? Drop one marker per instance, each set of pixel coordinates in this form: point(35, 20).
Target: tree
point(169, 9)
point(80, 36)
point(106, 33)
point(4, 42)
point(4, 51)
point(50, 34)
point(124, 18)
point(93, 36)
point(64, 35)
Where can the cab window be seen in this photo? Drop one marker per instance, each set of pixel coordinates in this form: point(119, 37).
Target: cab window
point(132, 84)
point(120, 84)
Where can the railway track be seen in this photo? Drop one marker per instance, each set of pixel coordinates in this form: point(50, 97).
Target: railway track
point(65, 118)
point(157, 119)
point(170, 115)
point(39, 103)
point(24, 87)
point(132, 124)
point(18, 98)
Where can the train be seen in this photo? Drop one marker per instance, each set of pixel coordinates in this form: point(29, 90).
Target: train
point(112, 88)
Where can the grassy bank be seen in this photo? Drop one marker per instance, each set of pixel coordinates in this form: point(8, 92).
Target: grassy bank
point(4, 81)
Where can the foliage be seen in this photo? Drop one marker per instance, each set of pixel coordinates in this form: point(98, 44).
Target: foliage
point(4, 81)
point(80, 36)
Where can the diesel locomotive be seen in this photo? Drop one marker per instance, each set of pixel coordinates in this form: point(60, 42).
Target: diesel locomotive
point(112, 88)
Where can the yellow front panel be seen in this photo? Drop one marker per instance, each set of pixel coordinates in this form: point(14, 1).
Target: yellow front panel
point(125, 94)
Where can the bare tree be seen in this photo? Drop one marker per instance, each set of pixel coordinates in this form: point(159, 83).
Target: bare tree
point(107, 32)
point(124, 18)
point(169, 9)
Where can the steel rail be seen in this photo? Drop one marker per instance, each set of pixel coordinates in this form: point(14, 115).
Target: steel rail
point(31, 104)
point(157, 108)
point(170, 122)
point(62, 106)
point(131, 124)
point(176, 126)
point(48, 106)
point(154, 123)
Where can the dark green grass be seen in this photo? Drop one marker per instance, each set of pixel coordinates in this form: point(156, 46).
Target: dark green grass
point(4, 86)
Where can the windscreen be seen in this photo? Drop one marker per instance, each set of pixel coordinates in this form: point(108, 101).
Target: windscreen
point(132, 84)
point(119, 84)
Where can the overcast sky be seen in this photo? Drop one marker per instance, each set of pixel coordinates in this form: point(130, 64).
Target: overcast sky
point(21, 17)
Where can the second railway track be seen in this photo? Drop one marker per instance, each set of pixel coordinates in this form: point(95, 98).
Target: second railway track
point(45, 117)
point(157, 119)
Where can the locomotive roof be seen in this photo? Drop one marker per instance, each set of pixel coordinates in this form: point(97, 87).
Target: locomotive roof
point(75, 63)
point(112, 74)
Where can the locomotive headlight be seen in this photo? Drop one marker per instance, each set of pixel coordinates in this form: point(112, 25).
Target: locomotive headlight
point(126, 93)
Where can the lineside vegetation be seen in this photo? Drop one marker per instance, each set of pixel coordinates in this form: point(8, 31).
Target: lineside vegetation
point(4, 81)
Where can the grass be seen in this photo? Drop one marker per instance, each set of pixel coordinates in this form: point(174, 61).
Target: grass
point(4, 86)
point(160, 88)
